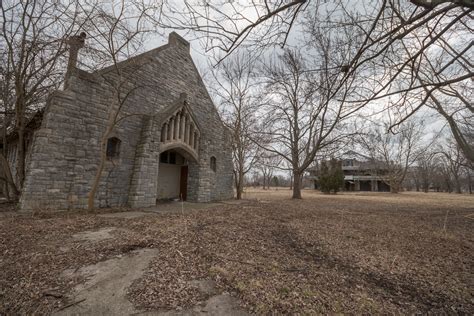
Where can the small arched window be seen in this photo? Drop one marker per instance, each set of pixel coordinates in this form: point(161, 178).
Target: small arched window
point(213, 163)
point(113, 147)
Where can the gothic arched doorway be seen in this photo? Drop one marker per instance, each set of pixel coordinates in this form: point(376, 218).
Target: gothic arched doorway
point(173, 175)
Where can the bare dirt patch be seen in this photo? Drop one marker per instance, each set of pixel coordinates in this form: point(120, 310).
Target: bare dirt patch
point(104, 291)
point(407, 253)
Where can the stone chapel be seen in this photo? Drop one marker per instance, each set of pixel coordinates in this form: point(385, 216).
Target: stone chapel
point(169, 143)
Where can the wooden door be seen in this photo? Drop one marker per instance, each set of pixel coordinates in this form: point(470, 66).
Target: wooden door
point(183, 183)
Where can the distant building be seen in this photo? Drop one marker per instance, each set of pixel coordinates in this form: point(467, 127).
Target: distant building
point(361, 173)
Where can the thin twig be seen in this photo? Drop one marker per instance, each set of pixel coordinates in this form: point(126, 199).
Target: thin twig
point(393, 261)
point(445, 221)
point(72, 304)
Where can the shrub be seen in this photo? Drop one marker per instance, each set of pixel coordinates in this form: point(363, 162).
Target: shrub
point(331, 177)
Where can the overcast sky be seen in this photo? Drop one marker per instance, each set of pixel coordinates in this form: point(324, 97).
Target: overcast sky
point(203, 61)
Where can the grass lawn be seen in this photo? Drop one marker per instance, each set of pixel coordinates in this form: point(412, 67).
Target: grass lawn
point(349, 253)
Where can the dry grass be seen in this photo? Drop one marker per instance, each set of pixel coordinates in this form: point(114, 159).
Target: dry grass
point(419, 198)
point(352, 253)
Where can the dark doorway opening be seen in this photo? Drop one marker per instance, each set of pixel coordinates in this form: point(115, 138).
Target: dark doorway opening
point(349, 186)
point(365, 186)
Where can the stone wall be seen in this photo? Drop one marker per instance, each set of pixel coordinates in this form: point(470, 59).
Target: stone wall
point(65, 153)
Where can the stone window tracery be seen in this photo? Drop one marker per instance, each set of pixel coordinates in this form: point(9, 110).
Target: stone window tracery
point(180, 127)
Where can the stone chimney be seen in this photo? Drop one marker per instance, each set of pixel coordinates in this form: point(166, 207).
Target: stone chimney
point(75, 43)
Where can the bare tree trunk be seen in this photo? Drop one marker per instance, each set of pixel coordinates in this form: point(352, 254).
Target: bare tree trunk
point(457, 184)
point(394, 187)
point(240, 185)
point(5, 164)
point(21, 154)
point(236, 182)
point(469, 182)
point(426, 185)
point(264, 178)
point(296, 185)
point(100, 169)
point(239, 193)
point(20, 126)
point(8, 177)
point(448, 186)
point(291, 181)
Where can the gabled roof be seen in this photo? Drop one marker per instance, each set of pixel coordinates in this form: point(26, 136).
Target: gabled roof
point(173, 40)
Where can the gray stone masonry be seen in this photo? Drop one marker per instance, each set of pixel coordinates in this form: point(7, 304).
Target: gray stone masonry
point(65, 151)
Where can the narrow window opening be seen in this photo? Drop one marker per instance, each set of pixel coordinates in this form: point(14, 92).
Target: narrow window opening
point(113, 147)
point(213, 163)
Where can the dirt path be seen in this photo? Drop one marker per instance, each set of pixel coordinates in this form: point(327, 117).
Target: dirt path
point(105, 290)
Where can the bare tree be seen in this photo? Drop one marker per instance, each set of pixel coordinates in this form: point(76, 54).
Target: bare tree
point(423, 171)
point(302, 115)
point(453, 161)
point(119, 32)
point(442, 175)
point(229, 25)
point(384, 29)
point(267, 163)
point(451, 101)
point(7, 106)
point(469, 174)
point(33, 34)
point(235, 93)
point(393, 153)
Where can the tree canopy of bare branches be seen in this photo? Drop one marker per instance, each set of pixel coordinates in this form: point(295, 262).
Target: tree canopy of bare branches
point(235, 93)
point(300, 115)
point(33, 47)
point(35, 40)
point(418, 52)
point(393, 154)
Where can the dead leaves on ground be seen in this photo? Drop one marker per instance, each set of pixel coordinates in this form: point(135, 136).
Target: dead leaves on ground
point(309, 256)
